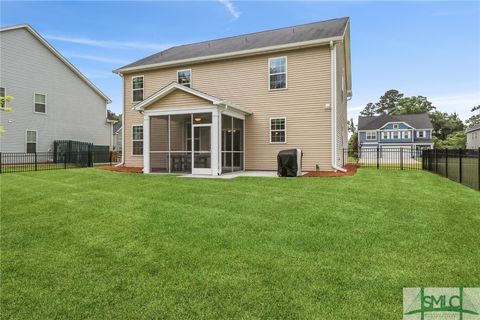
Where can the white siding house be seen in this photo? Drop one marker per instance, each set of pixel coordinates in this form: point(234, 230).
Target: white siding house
point(473, 137)
point(52, 100)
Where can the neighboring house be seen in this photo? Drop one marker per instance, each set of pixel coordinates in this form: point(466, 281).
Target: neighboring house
point(410, 132)
point(52, 100)
point(117, 136)
point(236, 102)
point(473, 137)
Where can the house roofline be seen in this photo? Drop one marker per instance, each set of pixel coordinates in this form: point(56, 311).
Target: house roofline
point(59, 56)
point(234, 54)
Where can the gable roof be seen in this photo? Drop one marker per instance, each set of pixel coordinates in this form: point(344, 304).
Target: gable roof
point(474, 128)
point(176, 86)
point(59, 56)
point(417, 121)
point(117, 126)
point(283, 38)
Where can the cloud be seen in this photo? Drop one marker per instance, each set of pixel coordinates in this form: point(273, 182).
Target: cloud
point(231, 8)
point(110, 44)
point(96, 58)
point(460, 104)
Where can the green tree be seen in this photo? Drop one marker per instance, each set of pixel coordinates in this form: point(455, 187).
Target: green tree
point(455, 140)
point(369, 110)
point(475, 119)
point(353, 140)
point(412, 105)
point(445, 124)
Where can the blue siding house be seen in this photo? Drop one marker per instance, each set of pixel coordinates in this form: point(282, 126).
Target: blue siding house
point(411, 132)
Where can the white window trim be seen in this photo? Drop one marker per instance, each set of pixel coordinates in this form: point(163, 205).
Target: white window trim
point(395, 126)
point(46, 102)
point(286, 73)
point(191, 77)
point(143, 88)
point(399, 135)
point(143, 138)
point(424, 132)
point(405, 133)
point(26, 139)
point(384, 135)
point(270, 130)
point(370, 131)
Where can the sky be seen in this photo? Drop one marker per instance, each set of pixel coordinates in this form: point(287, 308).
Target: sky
point(419, 48)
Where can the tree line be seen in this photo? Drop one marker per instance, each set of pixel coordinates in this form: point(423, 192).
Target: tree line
point(448, 128)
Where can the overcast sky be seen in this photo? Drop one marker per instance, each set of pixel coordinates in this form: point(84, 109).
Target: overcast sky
point(419, 48)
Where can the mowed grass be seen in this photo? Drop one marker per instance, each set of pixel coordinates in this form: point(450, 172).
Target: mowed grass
point(87, 243)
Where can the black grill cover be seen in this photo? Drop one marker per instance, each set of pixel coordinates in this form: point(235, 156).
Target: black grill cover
point(290, 163)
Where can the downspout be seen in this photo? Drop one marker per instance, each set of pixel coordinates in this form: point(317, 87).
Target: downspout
point(122, 162)
point(333, 60)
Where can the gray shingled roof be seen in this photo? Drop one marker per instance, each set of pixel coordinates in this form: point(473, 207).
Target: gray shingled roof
point(300, 33)
point(474, 128)
point(419, 121)
point(117, 126)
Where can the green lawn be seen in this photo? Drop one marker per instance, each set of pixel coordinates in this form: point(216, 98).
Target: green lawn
point(87, 243)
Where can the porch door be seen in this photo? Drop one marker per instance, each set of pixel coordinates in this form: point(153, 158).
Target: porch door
point(202, 149)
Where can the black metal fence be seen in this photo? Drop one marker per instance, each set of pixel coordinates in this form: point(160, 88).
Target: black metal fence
point(11, 162)
point(394, 158)
point(460, 165)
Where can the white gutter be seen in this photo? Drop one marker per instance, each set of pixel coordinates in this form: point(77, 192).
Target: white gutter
point(333, 109)
point(296, 45)
point(122, 162)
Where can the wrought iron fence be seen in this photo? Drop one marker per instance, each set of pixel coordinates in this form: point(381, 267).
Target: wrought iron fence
point(460, 165)
point(11, 162)
point(394, 158)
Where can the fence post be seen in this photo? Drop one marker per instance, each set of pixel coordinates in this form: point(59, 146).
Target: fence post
point(110, 154)
point(460, 165)
point(378, 157)
point(401, 158)
point(478, 168)
point(343, 158)
point(35, 161)
point(446, 162)
point(1, 163)
point(436, 160)
point(65, 160)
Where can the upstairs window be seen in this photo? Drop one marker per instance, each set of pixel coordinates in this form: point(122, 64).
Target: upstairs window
point(420, 134)
point(406, 134)
point(278, 130)
point(137, 89)
point(371, 135)
point(385, 135)
point(277, 68)
point(395, 135)
point(395, 126)
point(184, 77)
point(40, 103)
point(137, 140)
point(31, 141)
point(2, 95)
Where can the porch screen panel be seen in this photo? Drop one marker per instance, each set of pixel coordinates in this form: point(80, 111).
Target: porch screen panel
point(159, 130)
point(181, 143)
point(232, 144)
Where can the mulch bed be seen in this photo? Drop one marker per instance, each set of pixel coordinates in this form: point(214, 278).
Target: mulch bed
point(123, 169)
point(351, 171)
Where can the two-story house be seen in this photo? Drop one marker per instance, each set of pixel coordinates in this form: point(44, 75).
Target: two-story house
point(473, 137)
point(232, 104)
point(52, 99)
point(410, 132)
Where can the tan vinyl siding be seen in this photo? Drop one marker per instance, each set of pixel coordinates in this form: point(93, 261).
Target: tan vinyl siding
point(244, 82)
point(179, 99)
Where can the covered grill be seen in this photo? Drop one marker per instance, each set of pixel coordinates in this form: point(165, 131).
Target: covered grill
point(290, 163)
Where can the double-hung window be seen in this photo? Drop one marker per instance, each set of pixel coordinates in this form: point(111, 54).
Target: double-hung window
point(184, 77)
point(395, 135)
point(371, 135)
point(278, 130)
point(31, 141)
point(137, 88)
point(395, 126)
point(2, 96)
point(385, 135)
point(40, 103)
point(137, 140)
point(420, 134)
point(277, 73)
point(406, 134)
